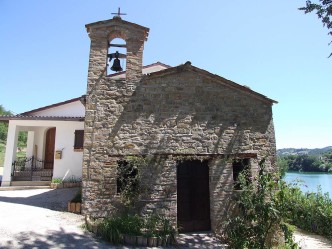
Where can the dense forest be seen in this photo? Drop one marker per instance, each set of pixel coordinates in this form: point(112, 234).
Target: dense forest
point(306, 162)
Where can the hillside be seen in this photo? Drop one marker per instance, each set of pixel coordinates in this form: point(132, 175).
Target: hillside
point(303, 151)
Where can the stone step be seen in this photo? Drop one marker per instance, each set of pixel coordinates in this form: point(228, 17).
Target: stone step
point(22, 188)
point(30, 183)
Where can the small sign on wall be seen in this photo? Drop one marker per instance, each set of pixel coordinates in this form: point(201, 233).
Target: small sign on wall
point(58, 154)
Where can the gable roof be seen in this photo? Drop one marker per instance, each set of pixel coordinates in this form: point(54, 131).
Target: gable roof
point(31, 115)
point(28, 113)
point(163, 70)
point(154, 67)
point(114, 21)
point(228, 83)
point(6, 118)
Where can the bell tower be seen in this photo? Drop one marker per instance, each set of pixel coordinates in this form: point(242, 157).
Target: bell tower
point(106, 98)
point(101, 34)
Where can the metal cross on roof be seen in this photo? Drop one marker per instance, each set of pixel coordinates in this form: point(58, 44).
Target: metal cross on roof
point(119, 13)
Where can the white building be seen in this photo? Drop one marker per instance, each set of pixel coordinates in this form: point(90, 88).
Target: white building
point(55, 140)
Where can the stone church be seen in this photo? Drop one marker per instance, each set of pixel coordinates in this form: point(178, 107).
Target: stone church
point(200, 128)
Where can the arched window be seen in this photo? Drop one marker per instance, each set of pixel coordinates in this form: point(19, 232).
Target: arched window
point(116, 57)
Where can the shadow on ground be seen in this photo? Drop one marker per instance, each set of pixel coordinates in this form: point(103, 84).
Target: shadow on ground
point(63, 239)
point(54, 199)
point(199, 240)
point(53, 239)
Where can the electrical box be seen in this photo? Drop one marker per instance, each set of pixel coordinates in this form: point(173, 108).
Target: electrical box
point(58, 154)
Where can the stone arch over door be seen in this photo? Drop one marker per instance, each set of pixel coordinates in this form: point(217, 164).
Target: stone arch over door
point(49, 148)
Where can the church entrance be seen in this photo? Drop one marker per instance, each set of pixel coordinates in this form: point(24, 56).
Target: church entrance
point(193, 198)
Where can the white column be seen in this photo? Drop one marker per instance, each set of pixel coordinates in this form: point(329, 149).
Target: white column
point(30, 144)
point(10, 155)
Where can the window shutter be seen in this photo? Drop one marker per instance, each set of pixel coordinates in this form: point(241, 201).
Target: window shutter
point(79, 139)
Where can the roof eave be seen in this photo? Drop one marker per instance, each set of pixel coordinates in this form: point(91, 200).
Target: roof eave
point(188, 67)
point(28, 113)
point(45, 118)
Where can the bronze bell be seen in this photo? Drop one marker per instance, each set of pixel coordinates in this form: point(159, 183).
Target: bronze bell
point(116, 64)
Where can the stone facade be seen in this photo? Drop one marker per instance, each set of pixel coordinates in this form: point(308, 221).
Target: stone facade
point(175, 114)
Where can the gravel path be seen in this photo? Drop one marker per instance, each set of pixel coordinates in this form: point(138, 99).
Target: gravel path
point(35, 218)
point(311, 241)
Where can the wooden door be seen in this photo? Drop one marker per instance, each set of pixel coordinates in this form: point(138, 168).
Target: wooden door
point(49, 148)
point(193, 204)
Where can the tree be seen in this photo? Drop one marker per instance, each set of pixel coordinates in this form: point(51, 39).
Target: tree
point(3, 126)
point(323, 11)
point(282, 165)
point(22, 136)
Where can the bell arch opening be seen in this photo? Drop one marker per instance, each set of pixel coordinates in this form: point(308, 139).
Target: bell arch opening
point(116, 57)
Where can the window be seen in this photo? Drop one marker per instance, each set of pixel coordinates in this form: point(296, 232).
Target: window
point(239, 166)
point(127, 180)
point(79, 139)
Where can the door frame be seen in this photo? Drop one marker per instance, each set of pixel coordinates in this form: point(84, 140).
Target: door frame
point(49, 148)
point(193, 194)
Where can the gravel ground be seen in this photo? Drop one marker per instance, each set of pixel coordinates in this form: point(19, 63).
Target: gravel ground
point(311, 241)
point(36, 218)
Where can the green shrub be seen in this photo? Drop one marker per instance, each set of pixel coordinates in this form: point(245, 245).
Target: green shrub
point(309, 211)
point(261, 223)
point(56, 180)
point(112, 229)
point(72, 179)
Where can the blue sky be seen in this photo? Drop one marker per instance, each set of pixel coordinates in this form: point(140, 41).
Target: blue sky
point(270, 46)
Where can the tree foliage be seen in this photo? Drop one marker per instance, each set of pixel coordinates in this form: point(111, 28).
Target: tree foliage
point(323, 11)
point(3, 126)
point(22, 136)
point(306, 163)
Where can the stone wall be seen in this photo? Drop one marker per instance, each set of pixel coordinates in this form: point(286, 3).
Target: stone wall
point(179, 112)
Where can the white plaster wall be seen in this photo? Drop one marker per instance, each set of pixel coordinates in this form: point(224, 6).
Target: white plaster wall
point(73, 109)
point(39, 129)
point(71, 162)
point(10, 154)
point(30, 143)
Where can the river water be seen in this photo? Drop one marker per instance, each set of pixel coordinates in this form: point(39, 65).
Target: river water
point(308, 182)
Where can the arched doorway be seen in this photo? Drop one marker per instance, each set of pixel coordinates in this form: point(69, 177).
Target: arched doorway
point(49, 148)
